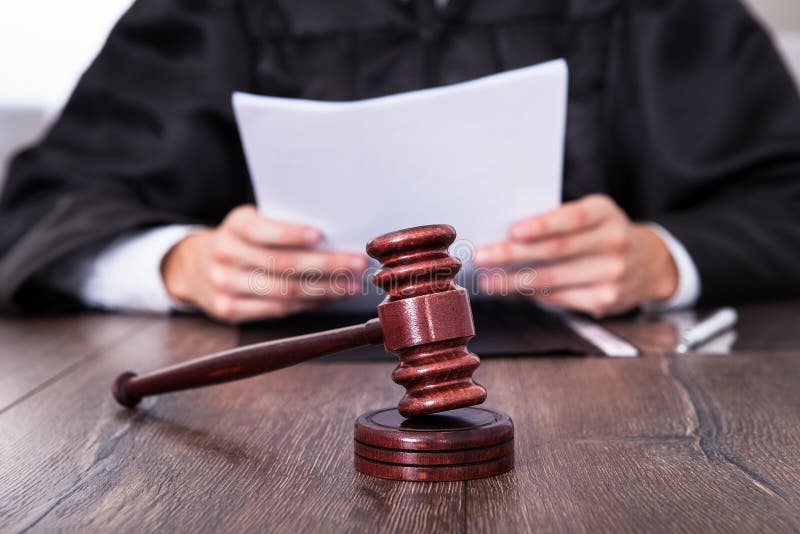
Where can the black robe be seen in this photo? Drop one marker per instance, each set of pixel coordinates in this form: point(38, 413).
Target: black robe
point(678, 109)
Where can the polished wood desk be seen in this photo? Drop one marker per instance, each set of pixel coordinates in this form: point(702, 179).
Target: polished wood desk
point(657, 443)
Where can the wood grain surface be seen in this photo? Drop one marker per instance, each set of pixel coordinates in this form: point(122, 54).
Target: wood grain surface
point(35, 352)
point(657, 443)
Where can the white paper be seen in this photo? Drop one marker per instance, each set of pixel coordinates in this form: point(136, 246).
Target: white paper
point(478, 155)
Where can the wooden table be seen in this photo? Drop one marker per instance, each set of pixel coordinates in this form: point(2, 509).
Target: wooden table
point(657, 443)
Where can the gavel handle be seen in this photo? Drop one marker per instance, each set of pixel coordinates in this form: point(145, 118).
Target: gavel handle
point(128, 389)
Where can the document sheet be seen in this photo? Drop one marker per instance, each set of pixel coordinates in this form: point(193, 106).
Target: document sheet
point(478, 155)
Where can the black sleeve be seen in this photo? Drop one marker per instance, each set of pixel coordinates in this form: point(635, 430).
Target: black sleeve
point(147, 138)
point(709, 121)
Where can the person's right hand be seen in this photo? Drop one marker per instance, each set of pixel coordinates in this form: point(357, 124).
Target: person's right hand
point(252, 267)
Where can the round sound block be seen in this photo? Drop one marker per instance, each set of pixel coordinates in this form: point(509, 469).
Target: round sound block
point(459, 444)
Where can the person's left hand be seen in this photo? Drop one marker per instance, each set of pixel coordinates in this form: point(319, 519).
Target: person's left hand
point(592, 259)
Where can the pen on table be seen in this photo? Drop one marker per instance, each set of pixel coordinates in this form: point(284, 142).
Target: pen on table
point(708, 328)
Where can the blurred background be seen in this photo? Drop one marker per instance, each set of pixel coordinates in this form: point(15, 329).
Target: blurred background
point(45, 45)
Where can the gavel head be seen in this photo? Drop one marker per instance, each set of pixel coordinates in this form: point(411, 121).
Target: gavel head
point(426, 320)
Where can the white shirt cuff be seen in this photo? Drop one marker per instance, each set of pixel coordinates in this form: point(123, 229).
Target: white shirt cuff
point(126, 274)
point(688, 290)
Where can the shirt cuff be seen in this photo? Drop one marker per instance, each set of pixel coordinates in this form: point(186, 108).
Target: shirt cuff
point(688, 290)
point(126, 274)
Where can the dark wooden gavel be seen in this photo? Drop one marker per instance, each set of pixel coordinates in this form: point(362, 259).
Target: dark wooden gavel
point(425, 320)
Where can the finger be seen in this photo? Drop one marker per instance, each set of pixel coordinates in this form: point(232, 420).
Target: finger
point(230, 250)
point(259, 283)
point(573, 272)
point(247, 223)
point(596, 300)
point(599, 239)
point(230, 309)
point(570, 217)
point(290, 263)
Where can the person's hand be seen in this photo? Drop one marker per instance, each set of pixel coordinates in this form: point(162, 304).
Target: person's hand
point(590, 257)
point(252, 267)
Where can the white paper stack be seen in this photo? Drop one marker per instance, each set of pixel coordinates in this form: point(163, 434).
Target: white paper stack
point(478, 155)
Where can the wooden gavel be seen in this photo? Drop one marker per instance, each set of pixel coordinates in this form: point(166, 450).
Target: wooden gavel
point(425, 320)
